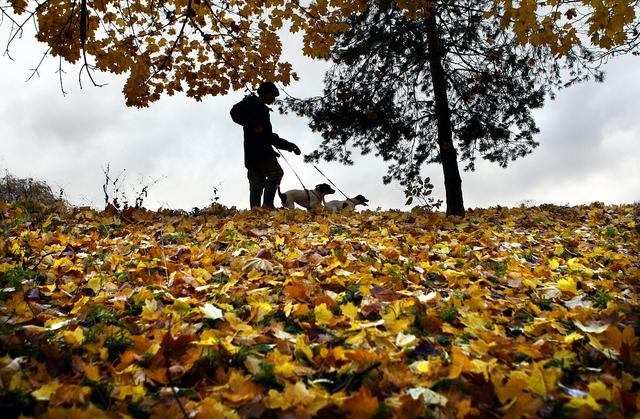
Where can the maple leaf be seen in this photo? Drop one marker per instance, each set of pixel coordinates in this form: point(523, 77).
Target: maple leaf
point(211, 312)
point(259, 264)
point(362, 404)
point(428, 396)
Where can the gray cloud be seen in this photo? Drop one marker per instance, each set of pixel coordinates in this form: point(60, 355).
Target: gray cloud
point(589, 149)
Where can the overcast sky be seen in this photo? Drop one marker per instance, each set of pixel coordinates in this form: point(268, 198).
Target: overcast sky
point(589, 145)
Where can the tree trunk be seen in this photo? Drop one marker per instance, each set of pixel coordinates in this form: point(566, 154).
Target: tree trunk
point(448, 155)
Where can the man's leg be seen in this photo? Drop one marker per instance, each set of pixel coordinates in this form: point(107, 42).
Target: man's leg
point(274, 174)
point(257, 181)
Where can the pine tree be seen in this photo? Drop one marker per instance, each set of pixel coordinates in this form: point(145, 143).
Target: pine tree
point(451, 86)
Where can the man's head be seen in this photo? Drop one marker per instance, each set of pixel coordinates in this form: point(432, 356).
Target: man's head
point(268, 92)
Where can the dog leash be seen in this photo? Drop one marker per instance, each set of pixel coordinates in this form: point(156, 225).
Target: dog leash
point(300, 180)
point(293, 170)
point(325, 176)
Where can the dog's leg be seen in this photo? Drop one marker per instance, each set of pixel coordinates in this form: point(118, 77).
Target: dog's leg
point(289, 203)
point(283, 197)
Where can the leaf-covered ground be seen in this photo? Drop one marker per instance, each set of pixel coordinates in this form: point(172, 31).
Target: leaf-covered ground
point(509, 312)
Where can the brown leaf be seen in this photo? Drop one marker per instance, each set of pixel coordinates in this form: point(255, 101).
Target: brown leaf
point(362, 404)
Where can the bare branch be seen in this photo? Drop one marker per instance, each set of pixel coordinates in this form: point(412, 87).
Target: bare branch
point(34, 71)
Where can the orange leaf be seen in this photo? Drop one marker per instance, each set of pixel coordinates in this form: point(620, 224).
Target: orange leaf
point(362, 404)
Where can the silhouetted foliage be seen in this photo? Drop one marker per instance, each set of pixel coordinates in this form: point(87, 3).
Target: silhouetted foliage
point(379, 94)
point(14, 189)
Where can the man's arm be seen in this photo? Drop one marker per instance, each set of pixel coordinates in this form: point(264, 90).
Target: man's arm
point(283, 144)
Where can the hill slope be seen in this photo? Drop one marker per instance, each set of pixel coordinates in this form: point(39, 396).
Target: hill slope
point(248, 314)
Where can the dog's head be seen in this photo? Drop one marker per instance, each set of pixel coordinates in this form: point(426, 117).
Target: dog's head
point(360, 200)
point(324, 189)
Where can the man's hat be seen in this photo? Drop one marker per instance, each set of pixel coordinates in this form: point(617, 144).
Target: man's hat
point(268, 87)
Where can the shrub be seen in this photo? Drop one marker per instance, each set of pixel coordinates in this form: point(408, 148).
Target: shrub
point(16, 189)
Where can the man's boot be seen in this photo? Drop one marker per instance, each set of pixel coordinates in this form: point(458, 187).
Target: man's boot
point(255, 196)
point(269, 195)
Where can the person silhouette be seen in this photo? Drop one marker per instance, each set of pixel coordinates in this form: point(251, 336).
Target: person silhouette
point(260, 159)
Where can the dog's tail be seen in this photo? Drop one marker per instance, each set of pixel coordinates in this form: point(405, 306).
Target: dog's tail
point(282, 196)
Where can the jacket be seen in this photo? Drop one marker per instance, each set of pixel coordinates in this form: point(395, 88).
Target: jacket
point(251, 113)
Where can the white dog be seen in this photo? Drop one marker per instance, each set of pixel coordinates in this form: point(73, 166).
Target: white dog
point(337, 206)
point(307, 198)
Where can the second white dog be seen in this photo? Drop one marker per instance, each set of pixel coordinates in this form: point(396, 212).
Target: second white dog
point(337, 205)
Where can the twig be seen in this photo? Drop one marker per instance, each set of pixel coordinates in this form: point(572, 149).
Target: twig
point(60, 72)
point(171, 384)
point(346, 384)
point(34, 71)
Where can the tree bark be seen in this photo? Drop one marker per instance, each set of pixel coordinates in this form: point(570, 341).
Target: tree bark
point(448, 155)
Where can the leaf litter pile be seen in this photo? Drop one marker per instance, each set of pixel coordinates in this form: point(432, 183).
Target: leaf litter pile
point(509, 312)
